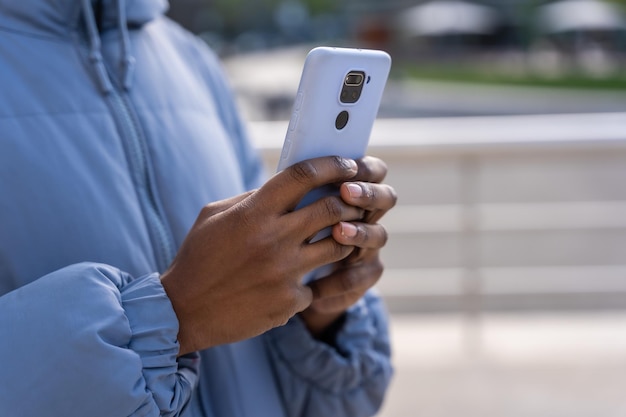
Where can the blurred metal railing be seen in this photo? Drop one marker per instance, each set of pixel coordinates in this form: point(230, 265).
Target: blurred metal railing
point(507, 212)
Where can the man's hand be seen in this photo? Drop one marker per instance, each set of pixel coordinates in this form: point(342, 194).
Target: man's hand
point(239, 271)
point(353, 276)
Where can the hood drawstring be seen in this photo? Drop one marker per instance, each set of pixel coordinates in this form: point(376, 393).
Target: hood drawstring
point(127, 61)
point(95, 53)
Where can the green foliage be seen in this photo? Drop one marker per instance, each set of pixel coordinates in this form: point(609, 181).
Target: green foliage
point(321, 6)
point(621, 3)
point(464, 74)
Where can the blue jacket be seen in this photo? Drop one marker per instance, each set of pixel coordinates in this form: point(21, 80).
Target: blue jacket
point(116, 127)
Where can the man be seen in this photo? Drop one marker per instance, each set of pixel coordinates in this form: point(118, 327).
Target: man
point(118, 299)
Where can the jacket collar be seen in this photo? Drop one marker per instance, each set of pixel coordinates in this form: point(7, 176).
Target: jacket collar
point(62, 18)
point(55, 17)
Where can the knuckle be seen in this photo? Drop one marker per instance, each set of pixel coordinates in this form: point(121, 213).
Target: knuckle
point(279, 318)
point(393, 196)
point(349, 281)
point(207, 211)
point(383, 169)
point(338, 252)
point(295, 306)
point(373, 169)
point(365, 170)
point(301, 298)
point(287, 307)
point(384, 235)
point(370, 274)
point(340, 163)
point(303, 172)
point(245, 217)
point(333, 208)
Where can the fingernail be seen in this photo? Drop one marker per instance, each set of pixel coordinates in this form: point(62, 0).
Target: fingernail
point(348, 230)
point(355, 190)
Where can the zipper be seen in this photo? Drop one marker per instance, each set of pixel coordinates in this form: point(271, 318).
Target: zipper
point(134, 144)
point(132, 138)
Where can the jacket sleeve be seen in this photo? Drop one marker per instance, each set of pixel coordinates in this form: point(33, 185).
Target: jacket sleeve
point(347, 379)
point(88, 340)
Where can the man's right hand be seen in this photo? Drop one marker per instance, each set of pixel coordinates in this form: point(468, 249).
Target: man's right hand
point(239, 271)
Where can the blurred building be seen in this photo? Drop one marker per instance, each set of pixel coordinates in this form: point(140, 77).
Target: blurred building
point(583, 35)
point(449, 29)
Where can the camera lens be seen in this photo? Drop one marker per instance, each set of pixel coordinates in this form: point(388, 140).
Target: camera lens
point(354, 79)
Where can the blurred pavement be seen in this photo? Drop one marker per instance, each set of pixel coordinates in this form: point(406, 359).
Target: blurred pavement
point(503, 365)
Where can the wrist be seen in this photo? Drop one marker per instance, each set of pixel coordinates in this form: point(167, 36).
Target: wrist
point(186, 345)
point(323, 326)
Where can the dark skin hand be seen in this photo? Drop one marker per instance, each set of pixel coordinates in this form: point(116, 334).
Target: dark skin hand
point(360, 271)
point(239, 271)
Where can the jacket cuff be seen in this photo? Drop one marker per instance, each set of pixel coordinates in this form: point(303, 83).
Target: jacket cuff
point(154, 328)
point(360, 354)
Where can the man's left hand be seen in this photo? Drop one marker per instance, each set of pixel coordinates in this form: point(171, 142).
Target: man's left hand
point(352, 277)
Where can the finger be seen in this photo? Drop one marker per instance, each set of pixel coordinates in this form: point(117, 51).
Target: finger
point(371, 169)
point(216, 207)
point(361, 255)
point(285, 189)
point(335, 304)
point(356, 278)
point(368, 196)
point(361, 235)
point(324, 213)
point(323, 252)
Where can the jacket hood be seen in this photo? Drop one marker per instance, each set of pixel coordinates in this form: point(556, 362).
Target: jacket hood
point(62, 18)
point(55, 17)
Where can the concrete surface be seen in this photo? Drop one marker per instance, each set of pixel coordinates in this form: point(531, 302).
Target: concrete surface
point(507, 365)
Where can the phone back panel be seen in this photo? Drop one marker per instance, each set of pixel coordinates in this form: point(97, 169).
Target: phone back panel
point(312, 130)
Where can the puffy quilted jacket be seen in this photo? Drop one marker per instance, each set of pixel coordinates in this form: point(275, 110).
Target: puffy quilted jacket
point(116, 127)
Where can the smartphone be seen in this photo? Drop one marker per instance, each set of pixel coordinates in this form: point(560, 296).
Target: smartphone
point(335, 107)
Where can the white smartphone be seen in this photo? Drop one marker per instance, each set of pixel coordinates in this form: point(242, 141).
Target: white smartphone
point(335, 107)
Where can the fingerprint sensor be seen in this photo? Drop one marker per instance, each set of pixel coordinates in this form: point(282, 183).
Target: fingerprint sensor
point(342, 120)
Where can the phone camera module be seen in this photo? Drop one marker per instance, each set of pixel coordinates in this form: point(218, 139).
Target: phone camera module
point(352, 87)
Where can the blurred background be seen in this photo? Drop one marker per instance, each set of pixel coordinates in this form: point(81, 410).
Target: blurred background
point(504, 128)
